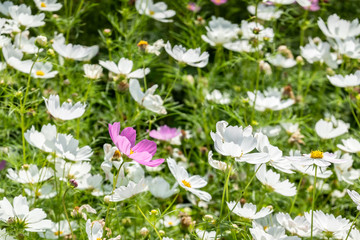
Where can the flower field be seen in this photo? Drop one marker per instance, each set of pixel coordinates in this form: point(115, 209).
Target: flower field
point(179, 120)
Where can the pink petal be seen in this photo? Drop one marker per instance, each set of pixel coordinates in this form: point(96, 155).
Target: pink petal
point(130, 134)
point(145, 146)
point(114, 130)
point(155, 163)
point(141, 157)
point(123, 144)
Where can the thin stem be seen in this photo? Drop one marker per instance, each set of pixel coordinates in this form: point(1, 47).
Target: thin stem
point(313, 203)
point(297, 191)
point(172, 86)
point(347, 236)
point(152, 225)
point(66, 214)
point(114, 186)
point(170, 205)
point(225, 190)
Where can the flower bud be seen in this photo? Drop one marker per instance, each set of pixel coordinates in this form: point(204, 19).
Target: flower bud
point(162, 232)
point(107, 199)
point(144, 231)
point(41, 41)
point(208, 218)
point(154, 212)
point(300, 60)
point(73, 183)
point(107, 32)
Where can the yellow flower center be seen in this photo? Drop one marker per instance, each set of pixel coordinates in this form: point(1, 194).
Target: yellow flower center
point(151, 12)
point(58, 233)
point(131, 151)
point(142, 43)
point(316, 154)
point(170, 223)
point(98, 238)
point(40, 73)
point(43, 5)
point(186, 183)
point(117, 154)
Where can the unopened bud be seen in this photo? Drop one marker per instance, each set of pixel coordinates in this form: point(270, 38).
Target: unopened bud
point(330, 72)
point(25, 167)
point(144, 231)
point(154, 212)
point(41, 41)
point(300, 60)
point(208, 218)
point(73, 183)
point(162, 232)
point(51, 52)
point(107, 32)
point(107, 199)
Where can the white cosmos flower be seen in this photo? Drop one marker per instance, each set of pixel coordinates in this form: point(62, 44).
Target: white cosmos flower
point(289, 127)
point(60, 229)
point(26, 44)
point(124, 68)
point(331, 129)
point(148, 100)
point(279, 60)
point(13, 58)
point(237, 142)
point(303, 3)
point(319, 51)
point(44, 140)
point(3, 234)
point(321, 172)
point(355, 197)
point(34, 220)
point(339, 28)
point(248, 210)
point(350, 80)
point(271, 131)
point(189, 183)
point(222, 166)
point(349, 47)
point(4, 7)
point(92, 71)
point(158, 11)
point(265, 12)
point(255, 30)
point(354, 235)
point(8, 26)
point(48, 5)
point(298, 226)
point(30, 174)
point(259, 232)
point(160, 188)
point(192, 57)
point(75, 52)
point(344, 171)
point(243, 46)
point(327, 223)
point(94, 230)
point(46, 191)
point(321, 159)
point(350, 145)
point(171, 221)
point(4, 40)
point(67, 170)
point(124, 192)
point(217, 97)
point(155, 47)
point(272, 180)
point(204, 235)
point(68, 147)
point(66, 111)
point(273, 153)
point(43, 70)
point(22, 15)
point(270, 99)
point(94, 183)
point(220, 31)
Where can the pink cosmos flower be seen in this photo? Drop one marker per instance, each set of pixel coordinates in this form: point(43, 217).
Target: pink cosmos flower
point(314, 6)
point(164, 133)
point(193, 7)
point(142, 152)
point(219, 2)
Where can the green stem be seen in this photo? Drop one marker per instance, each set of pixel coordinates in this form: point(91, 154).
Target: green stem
point(152, 225)
point(352, 225)
point(66, 214)
point(313, 203)
point(170, 205)
point(114, 186)
point(172, 86)
point(297, 191)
